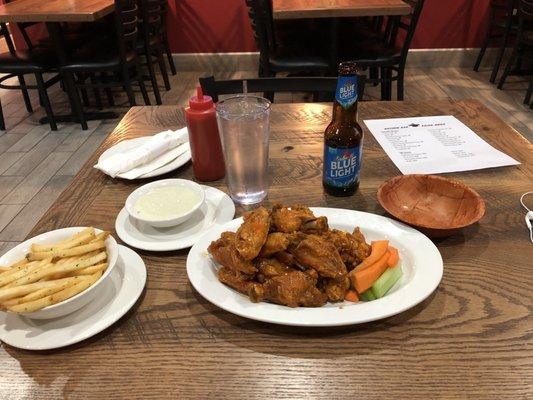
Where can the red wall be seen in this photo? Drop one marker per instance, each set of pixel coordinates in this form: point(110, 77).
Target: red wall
point(223, 25)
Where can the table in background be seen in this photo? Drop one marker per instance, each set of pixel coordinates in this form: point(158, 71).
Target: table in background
point(468, 340)
point(335, 9)
point(54, 13)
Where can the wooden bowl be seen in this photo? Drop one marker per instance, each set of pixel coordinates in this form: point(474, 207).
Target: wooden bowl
point(435, 205)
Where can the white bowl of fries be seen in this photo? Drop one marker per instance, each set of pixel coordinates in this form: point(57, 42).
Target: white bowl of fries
point(56, 273)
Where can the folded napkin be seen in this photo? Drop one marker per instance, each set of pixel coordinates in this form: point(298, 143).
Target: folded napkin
point(157, 151)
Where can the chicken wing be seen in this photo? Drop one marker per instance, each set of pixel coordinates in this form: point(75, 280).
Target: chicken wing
point(292, 289)
point(319, 225)
point(318, 253)
point(276, 242)
point(270, 267)
point(252, 234)
point(289, 220)
point(336, 288)
point(224, 252)
point(351, 247)
point(235, 279)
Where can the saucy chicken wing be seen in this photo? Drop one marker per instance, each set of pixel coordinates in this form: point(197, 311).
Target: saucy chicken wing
point(318, 253)
point(275, 242)
point(252, 234)
point(285, 219)
point(352, 247)
point(224, 252)
point(292, 289)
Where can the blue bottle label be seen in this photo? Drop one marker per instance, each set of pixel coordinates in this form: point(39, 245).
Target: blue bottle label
point(347, 90)
point(342, 165)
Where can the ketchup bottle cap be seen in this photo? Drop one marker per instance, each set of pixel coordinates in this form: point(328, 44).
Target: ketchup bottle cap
point(200, 102)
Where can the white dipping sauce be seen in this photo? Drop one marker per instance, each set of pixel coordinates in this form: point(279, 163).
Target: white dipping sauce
point(166, 202)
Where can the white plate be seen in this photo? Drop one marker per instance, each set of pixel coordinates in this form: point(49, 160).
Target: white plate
point(129, 144)
point(421, 263)
point(117, 295)
point(217, 209)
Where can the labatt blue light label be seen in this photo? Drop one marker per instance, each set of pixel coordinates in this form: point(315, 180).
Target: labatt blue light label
point(346, 94)
point(342, 165)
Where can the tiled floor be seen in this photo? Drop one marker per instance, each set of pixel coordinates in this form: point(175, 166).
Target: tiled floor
point(37, 164)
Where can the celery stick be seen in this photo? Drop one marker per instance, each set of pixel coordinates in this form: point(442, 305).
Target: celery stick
point(367, 295)
point(387, 280)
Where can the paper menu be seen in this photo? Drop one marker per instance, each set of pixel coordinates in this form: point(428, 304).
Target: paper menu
point(433, 145)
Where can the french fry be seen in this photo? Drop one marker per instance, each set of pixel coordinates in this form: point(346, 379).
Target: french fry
point(58, 297)
point(18, 291)
point(8, 277)
point(76, 235)
point(101, 236)
point(75, 251)
point(85, 236)
point(89, 270)
point(13, 267)
point(53, 269)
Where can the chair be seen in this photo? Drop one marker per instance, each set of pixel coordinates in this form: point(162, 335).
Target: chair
point(164, 36)
point(120, 61)
point(23, 62)
point(327, 85)
point(272, 59)
point(501, 24)
point(150, 43)
point(383, 55)
point(523, 47)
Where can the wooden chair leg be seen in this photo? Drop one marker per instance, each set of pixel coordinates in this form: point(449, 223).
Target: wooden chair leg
point(2, 122)
point(43, 95)
point(482, 50)
point(126, 81)
point(25, 94)
point(108, 92)
point(169, 56)
point(508, 67)
point(529, 92)
point(400, 84)
point(74, 96)
point(501, 51)
point(96, 92)
point(140, 79)
point(153, 78)
point(163, 68)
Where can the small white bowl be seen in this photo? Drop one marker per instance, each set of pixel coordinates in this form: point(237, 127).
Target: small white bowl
point(75, 302)
point(168, 222)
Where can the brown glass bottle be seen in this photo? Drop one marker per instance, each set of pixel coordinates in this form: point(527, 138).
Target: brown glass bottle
point(343, 138)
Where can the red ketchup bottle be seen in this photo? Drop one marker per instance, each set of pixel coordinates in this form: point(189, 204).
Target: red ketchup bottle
point(206, 149)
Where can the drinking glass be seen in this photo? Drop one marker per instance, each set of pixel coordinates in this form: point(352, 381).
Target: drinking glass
point(243, 124)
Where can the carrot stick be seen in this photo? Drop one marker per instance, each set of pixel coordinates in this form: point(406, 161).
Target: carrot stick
point(379, 248)
point(351, 295)
point(393, 258)
point(364, 279)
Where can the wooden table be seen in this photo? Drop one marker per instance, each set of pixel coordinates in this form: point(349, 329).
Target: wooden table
point(470, 340)
point(53, 13)
point(55, 10)
point(294, 9)
point(335, 9)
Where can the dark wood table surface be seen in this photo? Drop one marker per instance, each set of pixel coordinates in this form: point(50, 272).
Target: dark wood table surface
point(470, 340)
point(294, 9)
point(55, 10)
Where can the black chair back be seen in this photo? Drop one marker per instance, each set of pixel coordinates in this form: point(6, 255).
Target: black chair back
point(525, 13)
point(327, 85)
point(126, 22)
point(407, 24)
point(260, 12)
point(152, 21)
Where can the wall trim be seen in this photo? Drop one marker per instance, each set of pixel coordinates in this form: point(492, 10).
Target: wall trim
point(418, 58)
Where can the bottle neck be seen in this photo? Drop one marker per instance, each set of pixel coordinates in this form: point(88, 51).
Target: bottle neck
point(343, 115)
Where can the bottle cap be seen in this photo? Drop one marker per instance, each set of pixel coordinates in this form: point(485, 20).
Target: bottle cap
point(200, 102)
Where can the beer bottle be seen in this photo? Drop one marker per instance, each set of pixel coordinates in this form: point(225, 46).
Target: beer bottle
point(343, 138)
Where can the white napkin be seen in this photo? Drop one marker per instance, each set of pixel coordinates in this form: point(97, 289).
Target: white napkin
point(159, 150)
